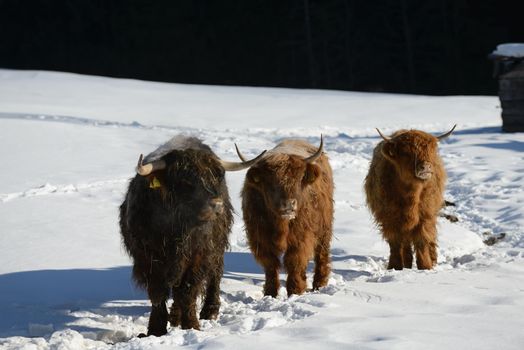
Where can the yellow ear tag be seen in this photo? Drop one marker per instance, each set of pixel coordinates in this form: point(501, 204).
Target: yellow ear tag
point(155, 183)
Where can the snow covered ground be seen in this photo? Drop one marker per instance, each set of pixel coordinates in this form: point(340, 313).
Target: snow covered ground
point(69, 144)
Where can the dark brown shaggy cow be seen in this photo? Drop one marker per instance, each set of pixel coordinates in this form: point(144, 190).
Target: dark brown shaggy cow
point(175, 222)
point(287, 203)
point(404, 189)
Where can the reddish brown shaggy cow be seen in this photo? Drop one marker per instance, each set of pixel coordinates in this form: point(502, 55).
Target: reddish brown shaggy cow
point(404, 189)
point(287, 202)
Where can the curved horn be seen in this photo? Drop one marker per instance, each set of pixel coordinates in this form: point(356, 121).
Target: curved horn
point(146, 169)
point(383, 136)
point(234, 166)
point(240, 155)
point(443, 136)
point(318, 153)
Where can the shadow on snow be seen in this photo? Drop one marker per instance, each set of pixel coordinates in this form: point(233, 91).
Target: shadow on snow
point(516, 146)
point(48, 297)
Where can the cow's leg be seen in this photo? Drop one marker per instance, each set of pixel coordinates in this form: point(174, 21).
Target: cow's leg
point(158, 294)
point(395, 255)
point(271, 268)
point(184, 299)
point(175, 313)
point(423, 255)
point(271, 264)
point(183, 311)
point(422, 251)
point(433, 253)
point(425, 243)
point(407, 255)
point(212, 298)
point(178, 266)
point(146, 273)
point(295, 261)
point(158, 319)
point(322, 263)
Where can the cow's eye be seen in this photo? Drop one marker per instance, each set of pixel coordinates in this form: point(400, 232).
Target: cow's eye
point(209, 189)
point(254, 176)
point(186, 184)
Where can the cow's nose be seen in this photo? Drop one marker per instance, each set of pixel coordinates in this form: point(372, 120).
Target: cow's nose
point(425, 166)
point(217, 205)
point(291, 204)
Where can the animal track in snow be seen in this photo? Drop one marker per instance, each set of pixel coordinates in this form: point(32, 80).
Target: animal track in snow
point(49, 189)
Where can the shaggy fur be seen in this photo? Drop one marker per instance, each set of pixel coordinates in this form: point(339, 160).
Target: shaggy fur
point(405, 206)
point(176, 236)
point(270, 186)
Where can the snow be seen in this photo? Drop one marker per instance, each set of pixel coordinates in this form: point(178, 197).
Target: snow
point(70, 144)
point(510, 50)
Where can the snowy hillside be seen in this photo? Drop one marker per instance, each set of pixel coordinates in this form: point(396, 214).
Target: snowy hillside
point(69, 144)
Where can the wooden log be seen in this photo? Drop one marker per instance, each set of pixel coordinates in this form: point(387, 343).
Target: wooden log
point(511, 94)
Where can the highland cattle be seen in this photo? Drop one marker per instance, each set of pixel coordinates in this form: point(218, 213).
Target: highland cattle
point(175, 221)
point(404, 191)
point(287, 204)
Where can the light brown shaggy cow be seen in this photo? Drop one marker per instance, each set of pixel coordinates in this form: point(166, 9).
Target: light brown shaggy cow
point(404, 189)
point(287, 203)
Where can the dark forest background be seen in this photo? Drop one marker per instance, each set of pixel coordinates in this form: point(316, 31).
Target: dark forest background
point(408, 46)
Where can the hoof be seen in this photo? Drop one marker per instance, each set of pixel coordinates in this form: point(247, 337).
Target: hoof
point(210, 313)
point(157, 333)
point(191, 325)
point(271, 292)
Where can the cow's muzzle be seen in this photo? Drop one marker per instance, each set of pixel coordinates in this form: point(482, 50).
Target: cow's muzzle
point(288, 209)
point(424, 171)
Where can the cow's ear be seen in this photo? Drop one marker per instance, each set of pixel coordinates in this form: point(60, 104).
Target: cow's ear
point(389, 149)
point(312, 173)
